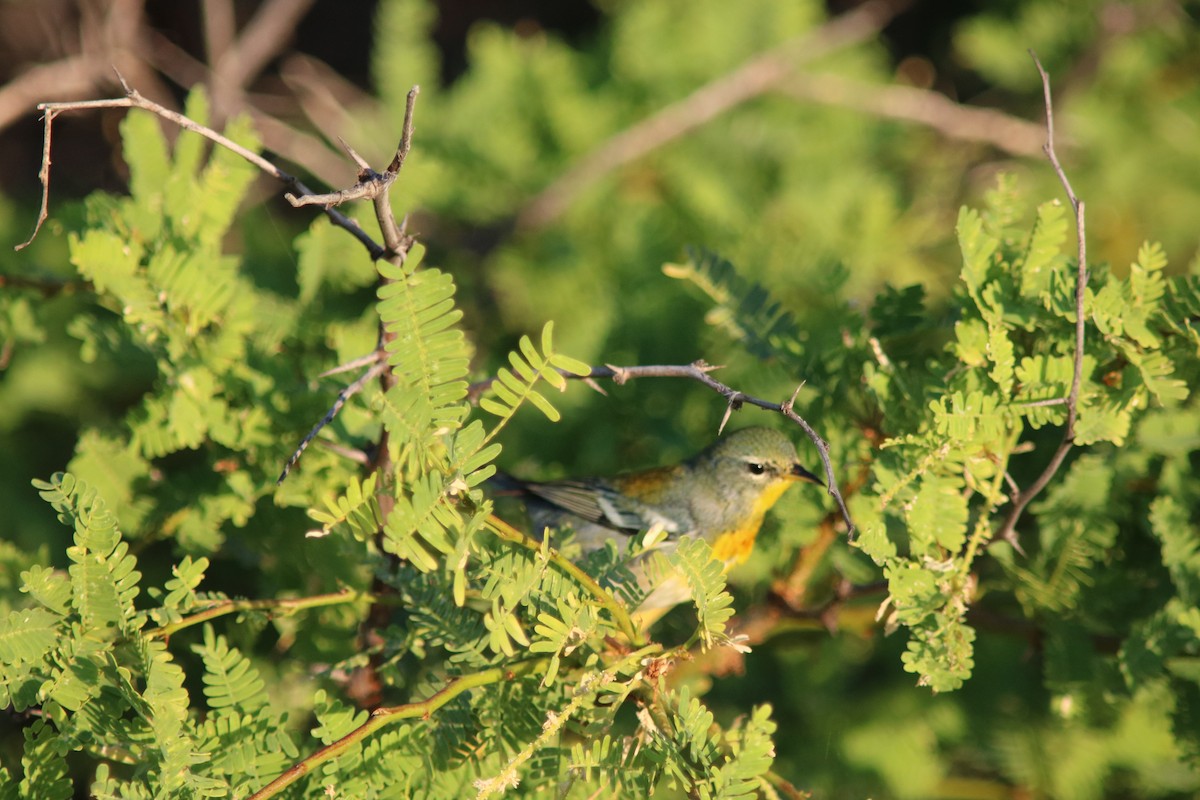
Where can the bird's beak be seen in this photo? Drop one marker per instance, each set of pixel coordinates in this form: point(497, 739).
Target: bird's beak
point(799, 473)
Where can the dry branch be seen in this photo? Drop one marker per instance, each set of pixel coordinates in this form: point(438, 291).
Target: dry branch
point(1022, 499)
point(1003, 131)
point(133, 99)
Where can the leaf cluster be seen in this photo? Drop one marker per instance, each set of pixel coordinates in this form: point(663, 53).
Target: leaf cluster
point(505, 650)
point(175, 373)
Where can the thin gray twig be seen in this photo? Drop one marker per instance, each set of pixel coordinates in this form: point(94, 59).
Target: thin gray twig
point(1022, 499)
point(373, 372)
point(133, 99)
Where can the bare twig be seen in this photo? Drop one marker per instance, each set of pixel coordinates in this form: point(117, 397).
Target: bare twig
point(397, 242)
point(406, 133)
point(699, 371)
point(375, 355)
point(1010, 134)
point(1022, 499)
point(752, 78)
point(372, 185)
point(133, 99)
point(44, 177)
point(373, 372)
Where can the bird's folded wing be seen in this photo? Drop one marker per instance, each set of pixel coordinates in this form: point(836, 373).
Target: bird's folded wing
point(600, 504)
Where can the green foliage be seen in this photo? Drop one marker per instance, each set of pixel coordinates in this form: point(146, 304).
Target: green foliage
point(483, 608)
point(179, 372)
point(959, 421)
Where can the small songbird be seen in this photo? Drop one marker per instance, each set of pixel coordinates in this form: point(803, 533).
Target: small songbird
point(720, 494)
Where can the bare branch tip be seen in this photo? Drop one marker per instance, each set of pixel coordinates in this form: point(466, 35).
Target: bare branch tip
point(791, 403)
point(591, 382)
point(350, 151)
point(129, 92)
point(1037, 62)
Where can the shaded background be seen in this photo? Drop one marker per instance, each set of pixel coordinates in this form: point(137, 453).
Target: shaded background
point(841, 176)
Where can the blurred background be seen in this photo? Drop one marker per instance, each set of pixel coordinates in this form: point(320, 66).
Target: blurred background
point(564, 152)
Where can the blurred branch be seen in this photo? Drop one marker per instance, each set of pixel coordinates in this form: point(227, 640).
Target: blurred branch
point(293, 145)
point(1003, 131)
point(71, 76)
point(331, 103)
point(1008, 530)
point(751, 79)
point(220, 28)
point(109, 36)
point(48, 287)
point(260, 41)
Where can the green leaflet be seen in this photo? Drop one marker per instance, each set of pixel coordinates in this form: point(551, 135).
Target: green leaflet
point(514, 387)
point(426, 352)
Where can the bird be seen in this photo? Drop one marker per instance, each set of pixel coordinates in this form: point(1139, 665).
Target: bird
point(721, 494)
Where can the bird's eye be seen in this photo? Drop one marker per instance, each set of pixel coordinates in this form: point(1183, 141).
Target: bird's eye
point(756, 468)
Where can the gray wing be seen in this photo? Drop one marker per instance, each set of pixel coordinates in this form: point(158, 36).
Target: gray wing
point(599, 504)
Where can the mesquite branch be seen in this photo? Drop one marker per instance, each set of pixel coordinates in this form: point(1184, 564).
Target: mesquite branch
point(1022, 498)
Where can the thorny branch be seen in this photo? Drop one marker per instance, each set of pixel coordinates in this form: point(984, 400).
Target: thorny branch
point(133, 99)
point(699, 371)
point(371, 185)
point(1022, 499)
point(375, 183)
point(374, 371)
